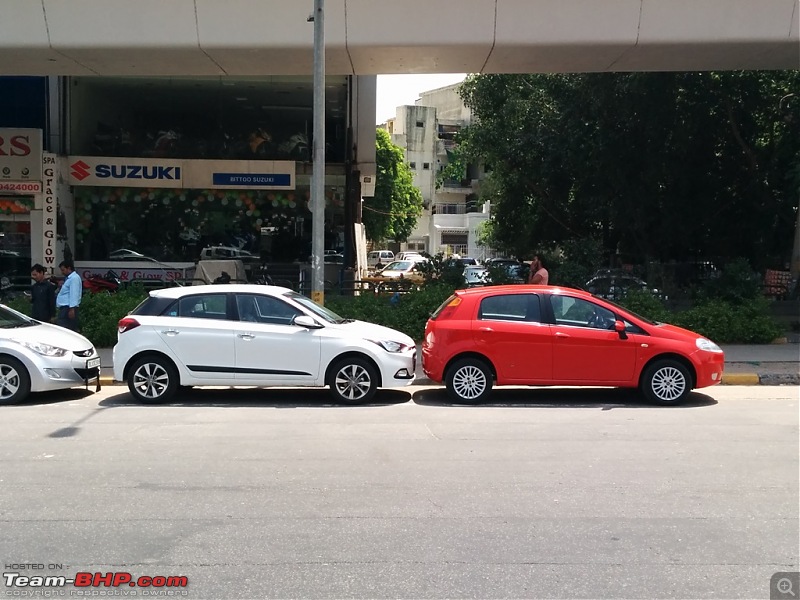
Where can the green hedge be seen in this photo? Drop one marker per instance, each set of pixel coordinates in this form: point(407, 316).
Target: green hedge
point(99, 313)
point(744, 321)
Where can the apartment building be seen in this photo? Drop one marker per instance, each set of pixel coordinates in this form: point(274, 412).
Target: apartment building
point(426, 132)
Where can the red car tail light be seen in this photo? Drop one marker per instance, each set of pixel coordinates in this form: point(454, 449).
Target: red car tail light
point(448, 310)
point(126, 324)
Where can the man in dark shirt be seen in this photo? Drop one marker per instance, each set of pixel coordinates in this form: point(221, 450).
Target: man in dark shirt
point(43, 295)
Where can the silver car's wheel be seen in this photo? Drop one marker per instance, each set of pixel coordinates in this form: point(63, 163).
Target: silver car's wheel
point(469, 380)
point(152, 379)
point(666, 382)
point(15, 383)
point(353, 381)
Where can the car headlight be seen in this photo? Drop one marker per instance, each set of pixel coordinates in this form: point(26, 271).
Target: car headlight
point(389, 346)
point(707, 345)
point(43, 349)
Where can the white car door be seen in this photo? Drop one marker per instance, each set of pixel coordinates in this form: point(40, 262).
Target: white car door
point(198, 332)
point(269, 349)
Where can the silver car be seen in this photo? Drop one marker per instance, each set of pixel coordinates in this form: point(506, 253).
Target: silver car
point(39, 357)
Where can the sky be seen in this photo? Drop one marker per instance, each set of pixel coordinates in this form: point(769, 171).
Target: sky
point(399, 90)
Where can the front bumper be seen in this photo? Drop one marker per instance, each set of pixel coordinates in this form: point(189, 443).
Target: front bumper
point(49, 373)
point(709, 367)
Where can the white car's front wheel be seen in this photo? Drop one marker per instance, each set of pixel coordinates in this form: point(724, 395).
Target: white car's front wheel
point(153, 379)
point(15, 383)
point(353, 380)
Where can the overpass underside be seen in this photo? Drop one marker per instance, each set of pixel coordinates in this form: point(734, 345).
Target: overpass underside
point(368, 37)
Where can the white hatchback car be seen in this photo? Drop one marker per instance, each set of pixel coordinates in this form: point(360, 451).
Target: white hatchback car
point(254, 335)
point(40, 357)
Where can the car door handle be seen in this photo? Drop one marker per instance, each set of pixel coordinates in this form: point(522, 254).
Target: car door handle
point(247, 336)
point(561, 334)
point(170, 332)
point(485, 329)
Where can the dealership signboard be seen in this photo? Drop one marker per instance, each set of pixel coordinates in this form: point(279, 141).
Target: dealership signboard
point(20, 158)
point(181, 174)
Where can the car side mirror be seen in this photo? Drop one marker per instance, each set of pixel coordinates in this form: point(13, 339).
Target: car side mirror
point(306, 321)
point(619, 327)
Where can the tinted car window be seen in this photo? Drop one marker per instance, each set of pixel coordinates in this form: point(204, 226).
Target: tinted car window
point(511, 307)
point(153, 305)
point(581, 313)
point(265, 309)
point(202, 306)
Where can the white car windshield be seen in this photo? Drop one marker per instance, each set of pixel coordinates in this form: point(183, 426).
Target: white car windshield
point(11, 319)
point(320, 311)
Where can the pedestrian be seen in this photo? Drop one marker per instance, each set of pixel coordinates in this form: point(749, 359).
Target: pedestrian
point(538, 274)
point(69, 296)
point(43, 295)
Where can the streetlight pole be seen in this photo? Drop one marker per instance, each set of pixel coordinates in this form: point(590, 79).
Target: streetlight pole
point(318, 167)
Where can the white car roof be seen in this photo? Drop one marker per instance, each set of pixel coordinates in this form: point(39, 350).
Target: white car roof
point(236, 288)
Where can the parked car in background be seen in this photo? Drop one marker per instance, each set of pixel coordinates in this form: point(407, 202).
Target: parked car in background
point(615, 285)
point(40, 357)
point(402, 269)
point(379, 257)
point(475, 276)
point(547, 335)
point(409, 255)
point(254, 335)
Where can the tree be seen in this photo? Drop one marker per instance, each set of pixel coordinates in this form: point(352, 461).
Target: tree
point(393, 212)
point(653, 165)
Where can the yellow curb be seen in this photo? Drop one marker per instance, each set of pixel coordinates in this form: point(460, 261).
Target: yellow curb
point(780, 340)
point(740, 379)
point(107, 380)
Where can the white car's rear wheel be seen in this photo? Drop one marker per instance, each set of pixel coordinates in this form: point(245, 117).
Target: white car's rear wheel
point(153, 379)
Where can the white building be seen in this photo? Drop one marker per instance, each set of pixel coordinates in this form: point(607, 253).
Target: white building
point(452, 215)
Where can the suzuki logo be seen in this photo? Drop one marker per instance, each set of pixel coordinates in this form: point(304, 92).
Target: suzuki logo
point(80, 170)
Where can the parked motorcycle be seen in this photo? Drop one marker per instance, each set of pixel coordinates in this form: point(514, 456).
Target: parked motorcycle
point(102, 284)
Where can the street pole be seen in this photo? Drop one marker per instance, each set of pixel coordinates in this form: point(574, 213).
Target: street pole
point(318, 168)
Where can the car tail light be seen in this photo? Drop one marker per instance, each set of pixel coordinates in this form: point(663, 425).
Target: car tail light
point(126, 324)
point(449, 309)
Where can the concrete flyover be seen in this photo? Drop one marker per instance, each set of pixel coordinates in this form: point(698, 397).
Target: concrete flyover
point(368, 37)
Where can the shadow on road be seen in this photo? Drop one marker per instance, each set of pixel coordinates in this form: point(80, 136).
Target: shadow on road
point(249, 396)
point(55, 397)
point(603, 398)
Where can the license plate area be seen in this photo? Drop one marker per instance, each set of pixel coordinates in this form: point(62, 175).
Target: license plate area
point(93, 363)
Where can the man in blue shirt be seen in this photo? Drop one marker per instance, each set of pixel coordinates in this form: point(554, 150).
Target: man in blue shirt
point(69, 296)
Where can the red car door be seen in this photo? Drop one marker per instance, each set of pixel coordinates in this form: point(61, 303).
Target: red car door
point(585, 346)
point(509, 330)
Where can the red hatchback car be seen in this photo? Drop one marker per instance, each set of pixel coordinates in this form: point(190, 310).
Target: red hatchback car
point(545, 335)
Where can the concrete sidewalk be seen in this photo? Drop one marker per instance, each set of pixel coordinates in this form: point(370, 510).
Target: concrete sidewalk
point(769, 364)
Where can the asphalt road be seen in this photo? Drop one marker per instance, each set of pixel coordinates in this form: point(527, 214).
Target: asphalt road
point(276, 494)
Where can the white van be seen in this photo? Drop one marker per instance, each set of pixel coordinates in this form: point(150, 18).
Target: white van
point(379, 257)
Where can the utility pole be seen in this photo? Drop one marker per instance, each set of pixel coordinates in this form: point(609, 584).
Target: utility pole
point(318, 167)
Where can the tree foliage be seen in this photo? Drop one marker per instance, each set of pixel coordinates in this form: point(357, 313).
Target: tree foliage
point(393, 212)
point(653, 165)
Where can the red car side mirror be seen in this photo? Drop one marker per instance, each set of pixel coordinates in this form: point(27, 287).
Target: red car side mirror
point(619, 327)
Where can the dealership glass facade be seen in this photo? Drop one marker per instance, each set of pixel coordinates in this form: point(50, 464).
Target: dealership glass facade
point(203, 118)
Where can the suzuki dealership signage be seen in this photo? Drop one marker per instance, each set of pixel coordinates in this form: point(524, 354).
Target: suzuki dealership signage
point(20, 160)
point(125, 172)
point(180, 173)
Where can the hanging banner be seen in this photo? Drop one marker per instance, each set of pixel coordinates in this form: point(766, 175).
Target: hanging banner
point(20, 155)
point(181, 174)
point(49, 210)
